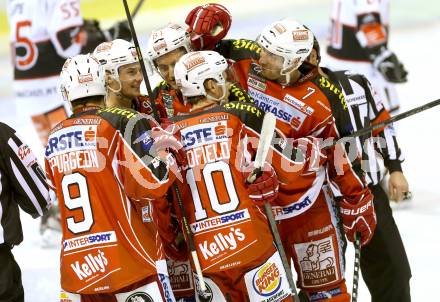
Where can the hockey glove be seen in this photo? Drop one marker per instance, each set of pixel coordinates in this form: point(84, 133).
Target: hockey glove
point(120, 30)
point(359, 218)
point(265, 187)
point(390, 67)
point(165, 144)
point(208, 24)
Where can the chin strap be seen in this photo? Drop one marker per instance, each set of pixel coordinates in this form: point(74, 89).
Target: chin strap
point(221, 100)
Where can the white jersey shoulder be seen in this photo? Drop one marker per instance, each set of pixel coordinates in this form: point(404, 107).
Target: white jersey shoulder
point(33, 21)
point(347, 11)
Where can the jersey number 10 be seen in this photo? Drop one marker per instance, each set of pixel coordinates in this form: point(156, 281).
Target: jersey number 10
point(207, 174)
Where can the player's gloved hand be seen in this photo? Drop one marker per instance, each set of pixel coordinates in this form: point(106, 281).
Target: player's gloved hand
point(265, 187)
point(308, 150)
point(165, 144)
point(390, 67)
point(359, 218)
point(120, 30)
point(208, 24)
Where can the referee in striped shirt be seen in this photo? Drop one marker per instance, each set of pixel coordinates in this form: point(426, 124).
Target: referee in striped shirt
point(384, 263)
point(22, 184)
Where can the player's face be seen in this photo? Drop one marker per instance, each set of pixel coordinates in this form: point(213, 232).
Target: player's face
point(165, 65)
point(313, 58)
point(271, 64)
point(131, 78)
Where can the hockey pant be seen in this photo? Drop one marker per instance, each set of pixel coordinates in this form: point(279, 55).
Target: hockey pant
point(11, 288)
point(259, 281)
point(313, 241)
point(156, 288)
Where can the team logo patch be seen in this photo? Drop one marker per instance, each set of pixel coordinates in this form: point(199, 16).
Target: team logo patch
point(222, 220)
point(318, 262)
point(146, 216)
point(194, 60)
point(298, 104)
point(206, 296)
point(205, 134)
point(180, 275)
point(139, 297)
point(282, 110)
point(71, 139)
point(89, 240)
point(300, 35)
point(85, 78)
point(161, 44)
point(256, 84)
point(267, 280)
point(279, 28)
point(64, 297)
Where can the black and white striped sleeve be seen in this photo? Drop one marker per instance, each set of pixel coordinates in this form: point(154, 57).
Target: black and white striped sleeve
point(27, 179)
point(388, 146)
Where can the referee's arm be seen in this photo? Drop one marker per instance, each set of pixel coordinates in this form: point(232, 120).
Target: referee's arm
point(27, 179)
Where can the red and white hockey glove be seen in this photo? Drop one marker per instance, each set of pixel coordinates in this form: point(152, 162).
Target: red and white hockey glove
point(165, 144)
point(309, 151)
point(359, 218)
point(265, 187)
point(208, 24)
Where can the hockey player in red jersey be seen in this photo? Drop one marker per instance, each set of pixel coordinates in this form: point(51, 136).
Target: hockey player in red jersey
point(165, 47)
point(231, 233)
point(100, 163)
point(124, 77)
point(300, 102)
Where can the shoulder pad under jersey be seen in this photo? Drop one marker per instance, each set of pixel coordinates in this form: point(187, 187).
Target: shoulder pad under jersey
point(238, 94)
point(238, 49)
point(248, 113)
point(119, 118)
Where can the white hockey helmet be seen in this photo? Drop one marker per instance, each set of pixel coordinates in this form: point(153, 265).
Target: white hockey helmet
point(82, 76)
point(115, 54)
point(194, 68)
point(166, 39)
point(288, 39)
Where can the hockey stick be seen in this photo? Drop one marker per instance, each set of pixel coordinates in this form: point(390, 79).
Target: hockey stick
point(357, 264)
point(140, 57)
point(267, 131)
point(156, 116)
point(137, 8)
point(395, 118)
